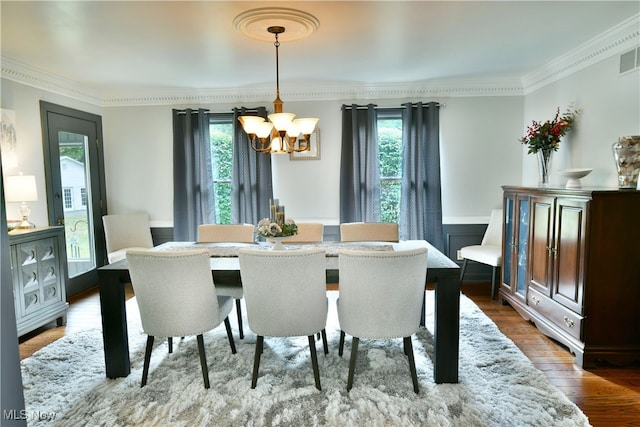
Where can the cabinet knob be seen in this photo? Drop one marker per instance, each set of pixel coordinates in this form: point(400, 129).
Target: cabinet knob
point(568, 322)
point(535, 300)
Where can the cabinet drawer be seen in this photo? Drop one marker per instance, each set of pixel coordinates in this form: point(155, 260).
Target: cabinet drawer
point(565, 319)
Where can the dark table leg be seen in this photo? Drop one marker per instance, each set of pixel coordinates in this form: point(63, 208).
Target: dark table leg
point(446, 333)
point(114, 324)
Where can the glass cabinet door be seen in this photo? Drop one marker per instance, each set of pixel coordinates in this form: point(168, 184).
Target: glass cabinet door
point(523, 230)
point(507, 242)
point(515, 251)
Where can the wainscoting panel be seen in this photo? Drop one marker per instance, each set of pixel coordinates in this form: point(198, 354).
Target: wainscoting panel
point(161, 235)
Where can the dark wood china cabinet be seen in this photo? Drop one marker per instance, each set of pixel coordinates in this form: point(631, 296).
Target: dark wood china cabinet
point(571, 265)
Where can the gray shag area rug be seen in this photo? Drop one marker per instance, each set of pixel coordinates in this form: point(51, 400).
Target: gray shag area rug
point(498, 384)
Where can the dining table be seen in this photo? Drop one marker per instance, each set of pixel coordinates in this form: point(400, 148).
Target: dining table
point(442, 273)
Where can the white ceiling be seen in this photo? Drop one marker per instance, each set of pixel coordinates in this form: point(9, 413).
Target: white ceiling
point(116, 47)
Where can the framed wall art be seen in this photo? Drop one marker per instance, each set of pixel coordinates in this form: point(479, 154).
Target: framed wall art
point(313, 153)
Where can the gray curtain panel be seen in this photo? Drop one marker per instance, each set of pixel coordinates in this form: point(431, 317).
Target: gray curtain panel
point(420, 200)
point(193, 199)
point(251, 185)
point(359, 166)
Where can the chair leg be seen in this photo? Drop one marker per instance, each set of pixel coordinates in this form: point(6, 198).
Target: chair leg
point(412, 363)
point(324, 341)
point(464, 267)
point(314, 361)
point(256, 361)
point(147, 360)
point(239, 313)
point(493, 282)
point(341, 344)
point(170, 340)
point(203, 361)
point(352, 362)
point(227, 325)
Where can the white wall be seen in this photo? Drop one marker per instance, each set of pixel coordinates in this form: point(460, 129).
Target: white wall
point(25, 102)
point(611, 108)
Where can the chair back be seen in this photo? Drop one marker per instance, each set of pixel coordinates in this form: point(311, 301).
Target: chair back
point(174, 291)
point(217, 233)
point(124, 231)
point(307, 233)
point(369, 232)
point(381, 292)
point(285, 291)
point(493, 235)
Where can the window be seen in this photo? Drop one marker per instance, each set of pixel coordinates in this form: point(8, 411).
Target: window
point(390, 157)
point(68, 199)
point(221, 131)
point(83, 196)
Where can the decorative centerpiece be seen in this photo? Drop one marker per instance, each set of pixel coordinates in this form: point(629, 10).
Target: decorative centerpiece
point(626, 153)
point(544, 138)
point(574, 175)
point(277, 228)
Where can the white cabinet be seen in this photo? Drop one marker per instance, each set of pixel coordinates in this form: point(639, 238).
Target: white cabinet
point(39, 275)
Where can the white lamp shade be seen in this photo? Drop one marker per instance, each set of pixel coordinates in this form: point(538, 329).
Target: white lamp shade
point(293, 130)
point(277, 146)
point(250, 124)
point(20, 188)
point(281, 121)
point(306, 125)
point(264, 129)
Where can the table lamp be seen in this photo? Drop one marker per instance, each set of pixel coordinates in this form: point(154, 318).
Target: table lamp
point(22, 189)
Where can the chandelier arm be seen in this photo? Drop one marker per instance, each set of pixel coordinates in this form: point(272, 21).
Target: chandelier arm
point(262, 148)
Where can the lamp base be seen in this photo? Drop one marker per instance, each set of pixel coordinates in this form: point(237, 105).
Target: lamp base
point(25, 225)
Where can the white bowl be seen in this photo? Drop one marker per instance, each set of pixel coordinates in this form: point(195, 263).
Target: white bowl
point(574, 176)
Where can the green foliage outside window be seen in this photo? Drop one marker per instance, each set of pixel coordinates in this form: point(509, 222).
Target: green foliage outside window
point(390, 155)
point(221, 163)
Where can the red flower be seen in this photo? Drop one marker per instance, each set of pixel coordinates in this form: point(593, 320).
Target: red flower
point(546, 136)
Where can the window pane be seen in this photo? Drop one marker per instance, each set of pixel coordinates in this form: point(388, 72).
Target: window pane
point(390, 157)
point(67, 198)
point(221, 131)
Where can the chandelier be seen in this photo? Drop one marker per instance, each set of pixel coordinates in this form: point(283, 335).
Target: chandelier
point(282, 133)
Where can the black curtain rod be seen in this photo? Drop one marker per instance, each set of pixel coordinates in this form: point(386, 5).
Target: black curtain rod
point(251, 110)
point(192, 110)
point(375, 106)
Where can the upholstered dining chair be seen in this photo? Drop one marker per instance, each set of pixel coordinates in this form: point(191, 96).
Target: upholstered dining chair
point(369, 232)
point(286, 296)
point(489, 251)
point(228, 284)
point(126, 231)
point(381, 294)
point(220, 233)
point(176, 297)
point(307, 233)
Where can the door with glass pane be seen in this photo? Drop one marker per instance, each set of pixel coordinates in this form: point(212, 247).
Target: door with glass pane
point(75, 188)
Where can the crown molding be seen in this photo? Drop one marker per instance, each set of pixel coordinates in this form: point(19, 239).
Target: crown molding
point(618, 39)
point(307, 92)
point(30, 76)
point(621, 38)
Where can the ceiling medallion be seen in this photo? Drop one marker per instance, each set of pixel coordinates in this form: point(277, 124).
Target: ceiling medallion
point(254, 23)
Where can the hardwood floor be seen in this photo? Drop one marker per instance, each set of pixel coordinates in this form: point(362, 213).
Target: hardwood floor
point(608, 395)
